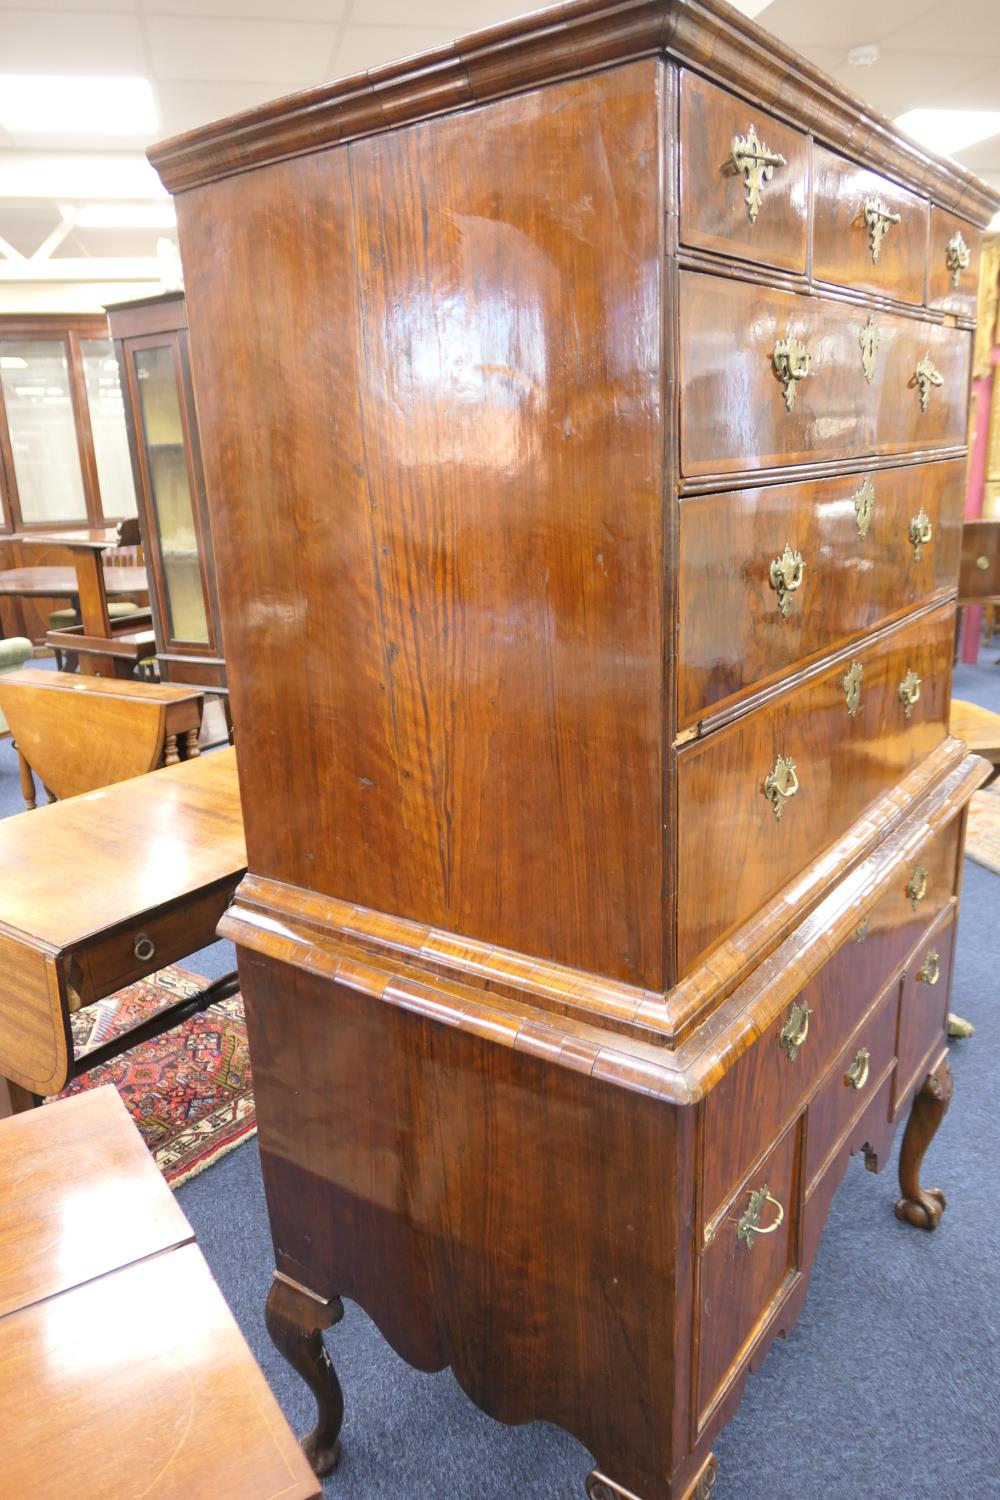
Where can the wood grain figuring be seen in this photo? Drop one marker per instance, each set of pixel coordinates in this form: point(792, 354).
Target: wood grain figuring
point(732, 635)
point(733, 414)
point(842, 243)
point(942, 292)
point(730, 846)
point(447, 586)
point(923, 1010)
point(856, 1073)
point(713, 197)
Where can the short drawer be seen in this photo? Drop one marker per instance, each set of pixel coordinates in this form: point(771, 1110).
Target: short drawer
point(980, 573)
point(744, 1269)
point(744, 178)
point(760, 798)
point(923, 1009)
point(871, 546)
point(868, 233)
point(870, 382)
point(857, 1072)
point(953, 265)
point(889, 930)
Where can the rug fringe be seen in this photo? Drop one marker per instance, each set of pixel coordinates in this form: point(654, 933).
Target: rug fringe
point(196, 1168)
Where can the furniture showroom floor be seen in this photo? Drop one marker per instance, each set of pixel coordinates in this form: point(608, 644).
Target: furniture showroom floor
point(888, 1309)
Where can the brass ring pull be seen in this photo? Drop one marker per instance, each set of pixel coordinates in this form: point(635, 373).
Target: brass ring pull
point(916, 886)
point(143, 948)
point(748, 1225)
point(785, 577)
point(879, 220)
point(924, 377)
point(857, 1074)
point(752, 161)
point(780, 785)
point(921, 532)
point(957, 256)
point(983, 563)
point(909, 692)
point(930, 970)
point(796, 1029)
point(790, 360)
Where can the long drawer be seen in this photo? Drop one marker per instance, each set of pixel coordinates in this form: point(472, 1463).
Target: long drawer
point(738, 414)
point(870, 546)
point(760, 798)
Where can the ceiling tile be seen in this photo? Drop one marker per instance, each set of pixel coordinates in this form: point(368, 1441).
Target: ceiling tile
point(34, 41)
point(969, 28)
point(187, 103)
point(104, 6)
point(457, 17)
point(848, 24)
point(184, 47)
point(364, 47)
point(240, 10)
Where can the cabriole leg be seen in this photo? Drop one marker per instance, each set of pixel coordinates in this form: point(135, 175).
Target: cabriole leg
point(295, 1320)
point(923, 1207)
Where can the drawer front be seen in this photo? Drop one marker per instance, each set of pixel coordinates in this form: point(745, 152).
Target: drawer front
point(735, 197)
point(868, 233)
point(980, 573)
point(735, 415)
point(953, 265)
point(120, 958)
point(923, 1009)
point(861, 565)
point(857, 1072)
point(746, 826)
point(742, 1273)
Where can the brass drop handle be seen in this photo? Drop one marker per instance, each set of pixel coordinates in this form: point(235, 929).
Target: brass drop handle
point(957, 256)
point(983, 563)
point(790, 360)
point(796, 1029)
point(921, 531)
point(752, 161)
point(926, 376)
point(780, 785)
point(878, 220)
point(916, 886)
point(785, 577)
point(143, 948)
point(909, 692)
point(748, 1225)
point(930, 970)
point(857, 1074)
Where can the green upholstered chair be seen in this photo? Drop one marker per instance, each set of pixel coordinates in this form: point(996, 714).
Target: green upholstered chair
point(14, 652)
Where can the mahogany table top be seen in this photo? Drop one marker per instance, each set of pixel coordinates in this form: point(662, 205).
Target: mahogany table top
point(92, 540)
point(61, 582)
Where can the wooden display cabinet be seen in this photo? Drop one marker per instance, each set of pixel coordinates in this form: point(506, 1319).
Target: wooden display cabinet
point(151, 339)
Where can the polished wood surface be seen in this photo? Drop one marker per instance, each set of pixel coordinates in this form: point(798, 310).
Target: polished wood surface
point(61, 583)
point(733, 413)
point(78, 733)
point(161, 854)
point(732, 635)
point(978, 727)
point(842, 239)
point(951, 288)
point(979, 577)
point(924, 1009)
point(115, 1343)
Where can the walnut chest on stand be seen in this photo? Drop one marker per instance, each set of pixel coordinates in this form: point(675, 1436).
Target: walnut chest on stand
point(584, 420)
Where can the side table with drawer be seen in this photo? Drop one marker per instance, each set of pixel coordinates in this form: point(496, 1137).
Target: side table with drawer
point(616, 384)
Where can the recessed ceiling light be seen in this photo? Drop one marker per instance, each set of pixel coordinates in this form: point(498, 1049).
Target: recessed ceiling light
point(123, 216)
point(50, 105)
point(950, 130)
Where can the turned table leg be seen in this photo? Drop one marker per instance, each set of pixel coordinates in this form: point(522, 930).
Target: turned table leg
point(295, 1320)
point(27, 782)
point(191, 746)
point(170, 752)
point(923, 1207)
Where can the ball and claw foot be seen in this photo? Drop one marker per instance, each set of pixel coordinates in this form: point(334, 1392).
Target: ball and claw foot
point(923, 1207)
point(295, 1320)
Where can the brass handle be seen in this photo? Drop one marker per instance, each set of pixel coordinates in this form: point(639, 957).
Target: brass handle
point(748, 1225)
point(852, 688)
point(796, 1029)
point(864, 504)
point(790, 360)
point(780, 784)
point(752, 161)
point(786, 577)
point(909, 692)
point(857, 1073)
point(930, 970)
point(957, 256)
point(879, 220)
point(983, 563)
point(916, 886)
point(924, 377)
point(143, 948)
point(921, 531)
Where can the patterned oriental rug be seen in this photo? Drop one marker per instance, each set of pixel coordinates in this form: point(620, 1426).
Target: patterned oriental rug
point(983, 838)
point(189, 1091)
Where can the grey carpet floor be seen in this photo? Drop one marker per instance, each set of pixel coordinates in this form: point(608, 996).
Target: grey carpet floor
point(887, 1389)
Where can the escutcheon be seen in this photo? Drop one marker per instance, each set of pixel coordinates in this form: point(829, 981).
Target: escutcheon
point(879, 220)
point(916, 886)
point(780, 785)
point(786, 577)
point(752, 160)
point(790, 360)
point(868, 338)
point(921, 532)
point(925, 377)
point(909, 692)
point(796, 1029)
point(957, 257)
point(852, 687)
point(864, 504)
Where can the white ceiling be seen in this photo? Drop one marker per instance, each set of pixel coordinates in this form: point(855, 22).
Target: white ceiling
point(210, 58)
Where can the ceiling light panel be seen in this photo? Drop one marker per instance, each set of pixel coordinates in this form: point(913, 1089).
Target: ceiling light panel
point(56, 105)
point(949, 130)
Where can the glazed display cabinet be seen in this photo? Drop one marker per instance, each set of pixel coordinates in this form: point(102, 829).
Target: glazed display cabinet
point(151, 339)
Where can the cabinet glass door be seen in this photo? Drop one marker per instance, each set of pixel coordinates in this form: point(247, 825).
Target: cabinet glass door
point(34, 374)
point(170, 487)
point(107, 423)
